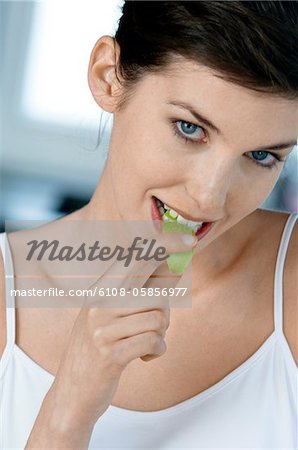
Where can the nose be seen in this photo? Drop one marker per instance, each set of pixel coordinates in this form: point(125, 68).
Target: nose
point(209, 185)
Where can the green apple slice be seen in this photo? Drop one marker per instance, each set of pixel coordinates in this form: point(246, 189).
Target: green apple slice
point(177, 262)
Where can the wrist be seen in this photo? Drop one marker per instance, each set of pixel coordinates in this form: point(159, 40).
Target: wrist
point(64, 419)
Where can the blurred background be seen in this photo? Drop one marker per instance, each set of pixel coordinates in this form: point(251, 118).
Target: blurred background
point(50, 162)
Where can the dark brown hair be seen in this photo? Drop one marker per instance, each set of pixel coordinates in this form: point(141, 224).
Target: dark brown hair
point(250, 43)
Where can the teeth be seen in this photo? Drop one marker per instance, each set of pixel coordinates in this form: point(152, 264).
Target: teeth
point(169, 215)
point(193, 225)
point(181, 219)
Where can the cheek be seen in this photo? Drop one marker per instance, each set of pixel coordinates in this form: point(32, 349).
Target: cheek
point(141, 153)
point(258, 188)
point(269, 180)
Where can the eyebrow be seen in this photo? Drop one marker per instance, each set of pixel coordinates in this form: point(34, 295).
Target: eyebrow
point(202, 119)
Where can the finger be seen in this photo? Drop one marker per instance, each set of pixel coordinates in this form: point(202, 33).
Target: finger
point(149, 345)
point(155, 320)
point(162, 304)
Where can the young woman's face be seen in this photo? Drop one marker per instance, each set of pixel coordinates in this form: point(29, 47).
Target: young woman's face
point(160, 146)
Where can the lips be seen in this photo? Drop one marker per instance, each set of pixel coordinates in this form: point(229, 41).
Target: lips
point(156, 215)
point(157, 219)
point(206, 227)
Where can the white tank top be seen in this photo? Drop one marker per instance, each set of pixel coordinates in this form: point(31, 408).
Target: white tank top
point(254, 406)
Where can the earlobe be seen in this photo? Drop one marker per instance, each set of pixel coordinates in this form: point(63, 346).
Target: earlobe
point(102, 78)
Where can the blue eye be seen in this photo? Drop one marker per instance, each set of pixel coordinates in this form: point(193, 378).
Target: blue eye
point(262, 155)
point(188, 131)
point(188, 128)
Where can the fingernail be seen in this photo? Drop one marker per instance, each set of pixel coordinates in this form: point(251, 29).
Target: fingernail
point(188, 239)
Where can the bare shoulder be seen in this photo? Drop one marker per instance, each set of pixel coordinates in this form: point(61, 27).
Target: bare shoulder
point(290, 291)
point(2, 308)
point(276, 221)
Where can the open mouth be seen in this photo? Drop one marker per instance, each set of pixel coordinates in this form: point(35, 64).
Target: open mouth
point(163, 213)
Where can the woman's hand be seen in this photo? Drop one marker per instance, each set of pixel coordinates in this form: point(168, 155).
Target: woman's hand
point(103, 341)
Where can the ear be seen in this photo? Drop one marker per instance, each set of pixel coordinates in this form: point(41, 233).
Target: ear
point(102, 73)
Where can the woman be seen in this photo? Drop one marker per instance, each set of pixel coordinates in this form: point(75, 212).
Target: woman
point(204, 101)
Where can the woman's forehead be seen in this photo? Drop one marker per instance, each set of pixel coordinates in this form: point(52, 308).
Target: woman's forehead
point(202, 87)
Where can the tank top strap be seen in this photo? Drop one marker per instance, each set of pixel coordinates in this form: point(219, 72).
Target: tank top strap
point(9, 297)
point(279, 269)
